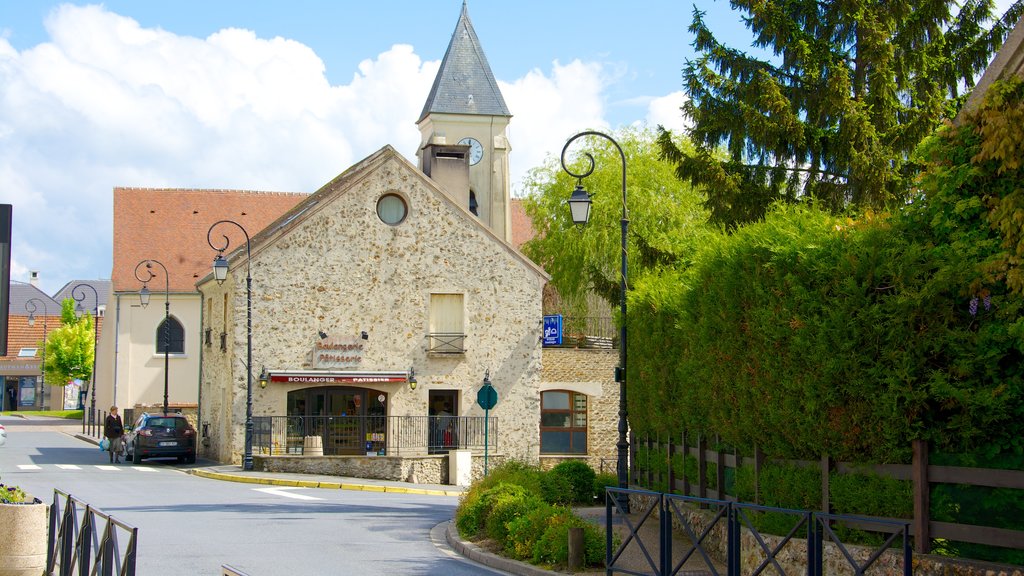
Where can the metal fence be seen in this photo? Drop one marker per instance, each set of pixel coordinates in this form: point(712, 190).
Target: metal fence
point(84, 540)
point(378, 435)
point(805, 534)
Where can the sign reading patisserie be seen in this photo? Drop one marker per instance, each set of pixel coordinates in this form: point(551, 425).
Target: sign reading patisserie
point(337, 352)
point(338, 378)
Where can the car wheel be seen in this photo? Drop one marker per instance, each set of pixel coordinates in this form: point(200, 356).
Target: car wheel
point(136, 457)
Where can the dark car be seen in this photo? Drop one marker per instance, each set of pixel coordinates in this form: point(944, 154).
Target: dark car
point(161, 435)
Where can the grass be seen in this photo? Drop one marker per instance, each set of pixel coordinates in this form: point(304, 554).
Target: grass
point(66, 414)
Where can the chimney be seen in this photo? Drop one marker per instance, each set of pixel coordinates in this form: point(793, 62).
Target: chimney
point(448, 165)
point(33, 278)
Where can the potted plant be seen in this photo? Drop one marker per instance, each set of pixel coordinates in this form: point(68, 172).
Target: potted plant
point(22, 533)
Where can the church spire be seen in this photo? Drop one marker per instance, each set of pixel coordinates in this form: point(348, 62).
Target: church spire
point(464, 82)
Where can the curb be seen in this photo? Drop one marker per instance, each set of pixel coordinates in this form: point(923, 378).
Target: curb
point(481, 556)
point(316, 484)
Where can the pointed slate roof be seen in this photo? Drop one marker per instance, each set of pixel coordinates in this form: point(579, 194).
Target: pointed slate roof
point(464, 83)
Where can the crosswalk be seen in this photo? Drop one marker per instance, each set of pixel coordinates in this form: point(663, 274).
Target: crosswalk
point(104, 467)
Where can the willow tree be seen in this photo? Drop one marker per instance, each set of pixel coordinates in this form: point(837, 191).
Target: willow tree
point(843, 94)
point(665, 217)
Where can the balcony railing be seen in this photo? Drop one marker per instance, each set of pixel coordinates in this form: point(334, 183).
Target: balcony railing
point(589, 332)
point(446, 342)
point(378, 435)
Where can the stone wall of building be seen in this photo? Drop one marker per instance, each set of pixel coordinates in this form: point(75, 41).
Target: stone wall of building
point(591, 372)
point(339, 269)
point(431, 469)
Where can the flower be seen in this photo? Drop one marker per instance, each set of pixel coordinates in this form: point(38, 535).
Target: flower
point(15, 495)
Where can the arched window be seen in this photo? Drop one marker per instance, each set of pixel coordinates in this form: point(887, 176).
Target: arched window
point(563, 422)
point(175, 338)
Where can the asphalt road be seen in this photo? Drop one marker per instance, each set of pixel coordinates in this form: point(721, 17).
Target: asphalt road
point(190, 525)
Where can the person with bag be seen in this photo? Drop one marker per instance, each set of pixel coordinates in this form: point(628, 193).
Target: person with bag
point(113, 430)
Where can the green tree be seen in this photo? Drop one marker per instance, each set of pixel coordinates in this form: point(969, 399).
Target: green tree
point(665, 216)
point(70, 349)
point(832, 114)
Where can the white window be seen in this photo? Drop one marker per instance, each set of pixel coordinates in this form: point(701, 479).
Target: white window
point(27, 352)
point(447, 324)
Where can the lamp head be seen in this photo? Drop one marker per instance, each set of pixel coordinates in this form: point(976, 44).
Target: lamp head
point(144, 295)
point(321, 334)
point(220, 268)
point(264, 377)
point(412, 378)
point(31, 319)
point(579, 205)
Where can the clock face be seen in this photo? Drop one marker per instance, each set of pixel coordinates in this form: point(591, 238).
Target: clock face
point(476, 151)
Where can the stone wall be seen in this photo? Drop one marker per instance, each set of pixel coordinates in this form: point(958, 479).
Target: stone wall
point(415, 469)
point(591, 372)
point(337, 268)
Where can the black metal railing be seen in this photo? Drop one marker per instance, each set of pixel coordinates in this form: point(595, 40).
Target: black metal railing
point(84, 540)
point(92, 422)
point(446, 342)
point(380, 435)
point(725, 520)
point(588, 332)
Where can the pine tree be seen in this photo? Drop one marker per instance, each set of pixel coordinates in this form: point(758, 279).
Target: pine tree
point(850, 88)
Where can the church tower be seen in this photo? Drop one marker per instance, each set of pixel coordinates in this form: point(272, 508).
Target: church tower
point(465, 119)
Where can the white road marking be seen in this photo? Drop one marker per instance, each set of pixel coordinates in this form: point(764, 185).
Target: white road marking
point(29, 467)
point(143, 469)
point(283, 491)
point(107, 467)
point(68, 467)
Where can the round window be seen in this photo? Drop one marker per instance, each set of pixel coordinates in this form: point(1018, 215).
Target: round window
point(391, 209)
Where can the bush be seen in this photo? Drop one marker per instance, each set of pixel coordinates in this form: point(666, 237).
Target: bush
point(471, 514)
point(580, 478)
point(472, 517)
point(525, 531)
point(556, 489)
point(602, 481)
point(506, 502)
point(553, 545)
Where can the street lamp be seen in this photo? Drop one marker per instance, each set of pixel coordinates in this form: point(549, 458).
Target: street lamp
point(220, 273)
point(78, 293)
point(579, 205)
point(144, 300)
point(31, 308)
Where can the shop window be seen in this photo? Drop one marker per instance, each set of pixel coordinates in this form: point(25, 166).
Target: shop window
point(447, 325)
point(174, 341)
point(563, 422)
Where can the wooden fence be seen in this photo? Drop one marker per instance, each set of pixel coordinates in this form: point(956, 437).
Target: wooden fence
point(920, 472)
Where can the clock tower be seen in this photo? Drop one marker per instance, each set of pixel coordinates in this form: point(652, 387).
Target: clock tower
point(466, 113)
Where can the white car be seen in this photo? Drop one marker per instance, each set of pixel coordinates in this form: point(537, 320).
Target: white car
point(3, 435)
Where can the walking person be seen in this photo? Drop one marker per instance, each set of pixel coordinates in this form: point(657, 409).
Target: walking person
point(113, 430)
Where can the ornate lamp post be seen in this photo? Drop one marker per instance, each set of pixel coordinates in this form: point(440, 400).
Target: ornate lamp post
point(579, 206)
point(144, 300)
point(220, 273)
point(31, 308)
point(78, 293)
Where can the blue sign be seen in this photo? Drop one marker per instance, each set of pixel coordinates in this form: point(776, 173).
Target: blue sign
point(553, 330)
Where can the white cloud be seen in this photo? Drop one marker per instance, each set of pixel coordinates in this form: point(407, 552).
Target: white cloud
point(666, 112)
point(547, 111)
point(108, 103)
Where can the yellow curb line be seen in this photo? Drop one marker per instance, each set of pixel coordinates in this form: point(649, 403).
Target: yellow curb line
point(315, 484)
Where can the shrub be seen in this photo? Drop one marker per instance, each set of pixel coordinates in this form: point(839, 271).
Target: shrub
point(580, 478)
point(471, 514)
point(556, 489)
point(526, 530)
point(506, 502)
point(553, 545)
point(602, 481)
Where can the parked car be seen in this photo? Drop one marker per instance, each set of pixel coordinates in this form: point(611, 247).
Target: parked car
point(3, 435)
point(161, 435)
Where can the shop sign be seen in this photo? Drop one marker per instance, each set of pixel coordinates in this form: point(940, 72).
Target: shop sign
point(553, 330)
point(337, 352)
point(339, 378)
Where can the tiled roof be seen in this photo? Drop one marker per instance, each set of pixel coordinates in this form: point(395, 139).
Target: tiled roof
point(522, 226)
point(464, 82)
point(170, 226)
point(21, 293)
point(102, 293)
point(21, 335)
point(1008, 61)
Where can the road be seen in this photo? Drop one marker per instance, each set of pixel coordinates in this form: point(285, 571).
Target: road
point(190, 525)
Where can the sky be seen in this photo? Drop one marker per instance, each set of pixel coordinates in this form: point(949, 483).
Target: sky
point(284, 96)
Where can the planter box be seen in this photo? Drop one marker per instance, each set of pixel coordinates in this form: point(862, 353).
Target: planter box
point(23, 531)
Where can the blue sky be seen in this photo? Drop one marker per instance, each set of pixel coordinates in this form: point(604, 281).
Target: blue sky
point(283, 96)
